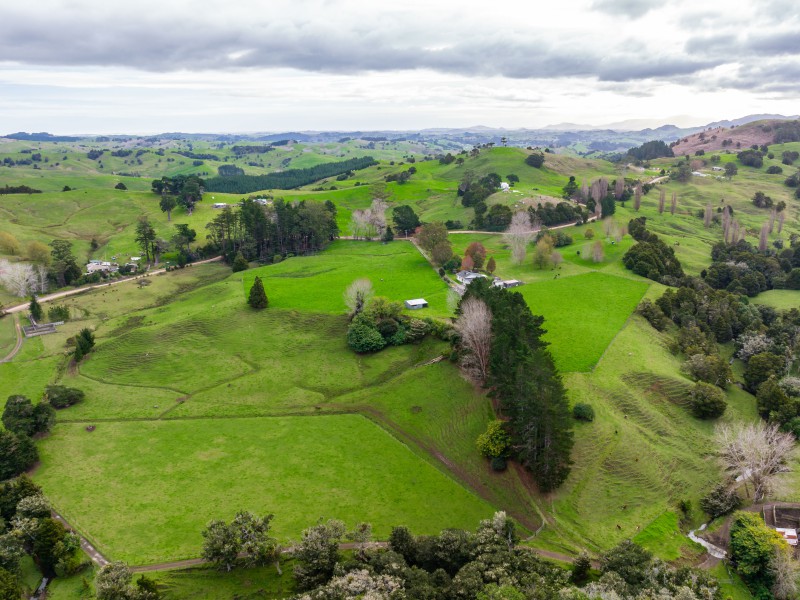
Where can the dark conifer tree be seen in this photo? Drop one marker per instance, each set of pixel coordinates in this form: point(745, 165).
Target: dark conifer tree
point(258, 297)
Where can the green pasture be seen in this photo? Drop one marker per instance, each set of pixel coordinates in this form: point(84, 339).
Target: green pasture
point(144, 490)
point(664, 538)
point(317, 283)
point(582, 314)
point(780, 299)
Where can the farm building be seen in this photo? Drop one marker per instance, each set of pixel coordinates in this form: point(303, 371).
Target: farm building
point(507, 283)
point(416, 304)
point(219, 205)
point(467, 277)
point(95, 266)
point(785, 519)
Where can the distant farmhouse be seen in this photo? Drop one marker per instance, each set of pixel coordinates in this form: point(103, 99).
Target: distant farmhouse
point(467, 277)
point(99, 266)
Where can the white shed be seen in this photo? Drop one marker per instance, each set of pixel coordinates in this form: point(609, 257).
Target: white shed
point(416, 304)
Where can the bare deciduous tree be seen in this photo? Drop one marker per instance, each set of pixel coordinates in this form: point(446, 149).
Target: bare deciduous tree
point(357, 294)
point(518, 236)
point(763, 239)
point(786, 574)
point(584, 192)
point(17, 278)
point(772, 217)
point(754, 452)
point(619, 186)
point(662, 199)
point(637, 197)
point(475, 328)
point(781, 217)
point(708, 215)
point(726, 223)
point(674, 205)
point(597, 251)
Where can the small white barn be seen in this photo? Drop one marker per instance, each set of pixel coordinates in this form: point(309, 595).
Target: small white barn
point(416, 304)
point(219, 205)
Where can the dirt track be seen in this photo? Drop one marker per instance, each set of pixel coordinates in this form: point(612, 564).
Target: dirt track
point(18, 345)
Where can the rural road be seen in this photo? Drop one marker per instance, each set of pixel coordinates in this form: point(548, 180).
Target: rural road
point(18, 345)
point(81, 290)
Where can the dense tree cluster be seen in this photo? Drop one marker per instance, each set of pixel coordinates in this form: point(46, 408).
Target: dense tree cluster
point(742, 269)
point(27, 528)
point(549, 214)
point(474, 191)
point(535, 159)
point(754, 547)
point(288, 179)
point(651, 257)
point(651, 150)
point(751, 158)
point(378, 322)
point(524, 379)
point(482, 565)
point(261, 232)
point(186, 189)
point(242, 150)
point(18, 189)
point(229, 171)
point(401, 177)
point(405, 219)
point(788, 131)
point(197, 155)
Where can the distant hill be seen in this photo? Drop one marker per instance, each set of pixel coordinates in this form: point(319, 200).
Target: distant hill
point(40, 137)
point(763, 132)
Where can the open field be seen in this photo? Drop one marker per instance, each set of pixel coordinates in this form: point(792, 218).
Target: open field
point(150, 487)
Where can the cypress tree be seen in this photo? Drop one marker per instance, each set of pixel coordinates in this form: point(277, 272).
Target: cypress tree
point(240, 263)
point(36, 309)
point(258, 297)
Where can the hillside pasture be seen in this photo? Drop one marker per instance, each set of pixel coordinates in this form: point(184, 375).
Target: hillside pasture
point(148, 488)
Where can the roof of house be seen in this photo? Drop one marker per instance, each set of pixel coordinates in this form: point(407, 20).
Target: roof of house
point(790, 535)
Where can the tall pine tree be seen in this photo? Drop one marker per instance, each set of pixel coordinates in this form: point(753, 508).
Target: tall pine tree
point(524, 378)
point(258, 297)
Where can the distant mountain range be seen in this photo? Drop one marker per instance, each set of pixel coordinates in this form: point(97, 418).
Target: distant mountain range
point(583, 139)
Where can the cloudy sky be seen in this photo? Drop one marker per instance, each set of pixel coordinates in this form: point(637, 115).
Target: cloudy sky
point(84, 66)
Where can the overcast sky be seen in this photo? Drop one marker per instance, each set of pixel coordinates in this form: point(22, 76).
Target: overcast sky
point(84, 66)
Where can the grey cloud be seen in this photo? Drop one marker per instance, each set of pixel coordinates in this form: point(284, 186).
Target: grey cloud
point(626, 8)
point(778, 44)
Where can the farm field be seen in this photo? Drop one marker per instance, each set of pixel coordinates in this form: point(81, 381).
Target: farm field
point(180, 474)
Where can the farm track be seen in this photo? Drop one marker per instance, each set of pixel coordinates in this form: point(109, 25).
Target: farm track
point(18, 345)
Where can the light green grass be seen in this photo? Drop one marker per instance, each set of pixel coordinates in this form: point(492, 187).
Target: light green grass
point(780, 299)
point(151, 487)
point(317, 283)
point(582, 314)
point(664, 538)
point(730, 584)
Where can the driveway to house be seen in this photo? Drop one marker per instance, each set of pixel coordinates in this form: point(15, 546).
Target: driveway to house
point(81, 290)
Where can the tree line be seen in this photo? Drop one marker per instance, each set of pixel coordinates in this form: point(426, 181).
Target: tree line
point(264, 232)
point(521, 375)
point(286, 180)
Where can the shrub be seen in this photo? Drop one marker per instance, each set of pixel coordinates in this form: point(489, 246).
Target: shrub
point(535, 160)
point(120, 186)
point(588, 233)
point(60, 396)
point(23, 418)
point(495, 441)
point(707, 401)
point(720, 501)
point(654, 315)
point(58, 313)
point(761, 367)
point(774, 170)
point(711, 369)
point(499, 464)
point(363, 337)
point(583, 412)
point(416, 331)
